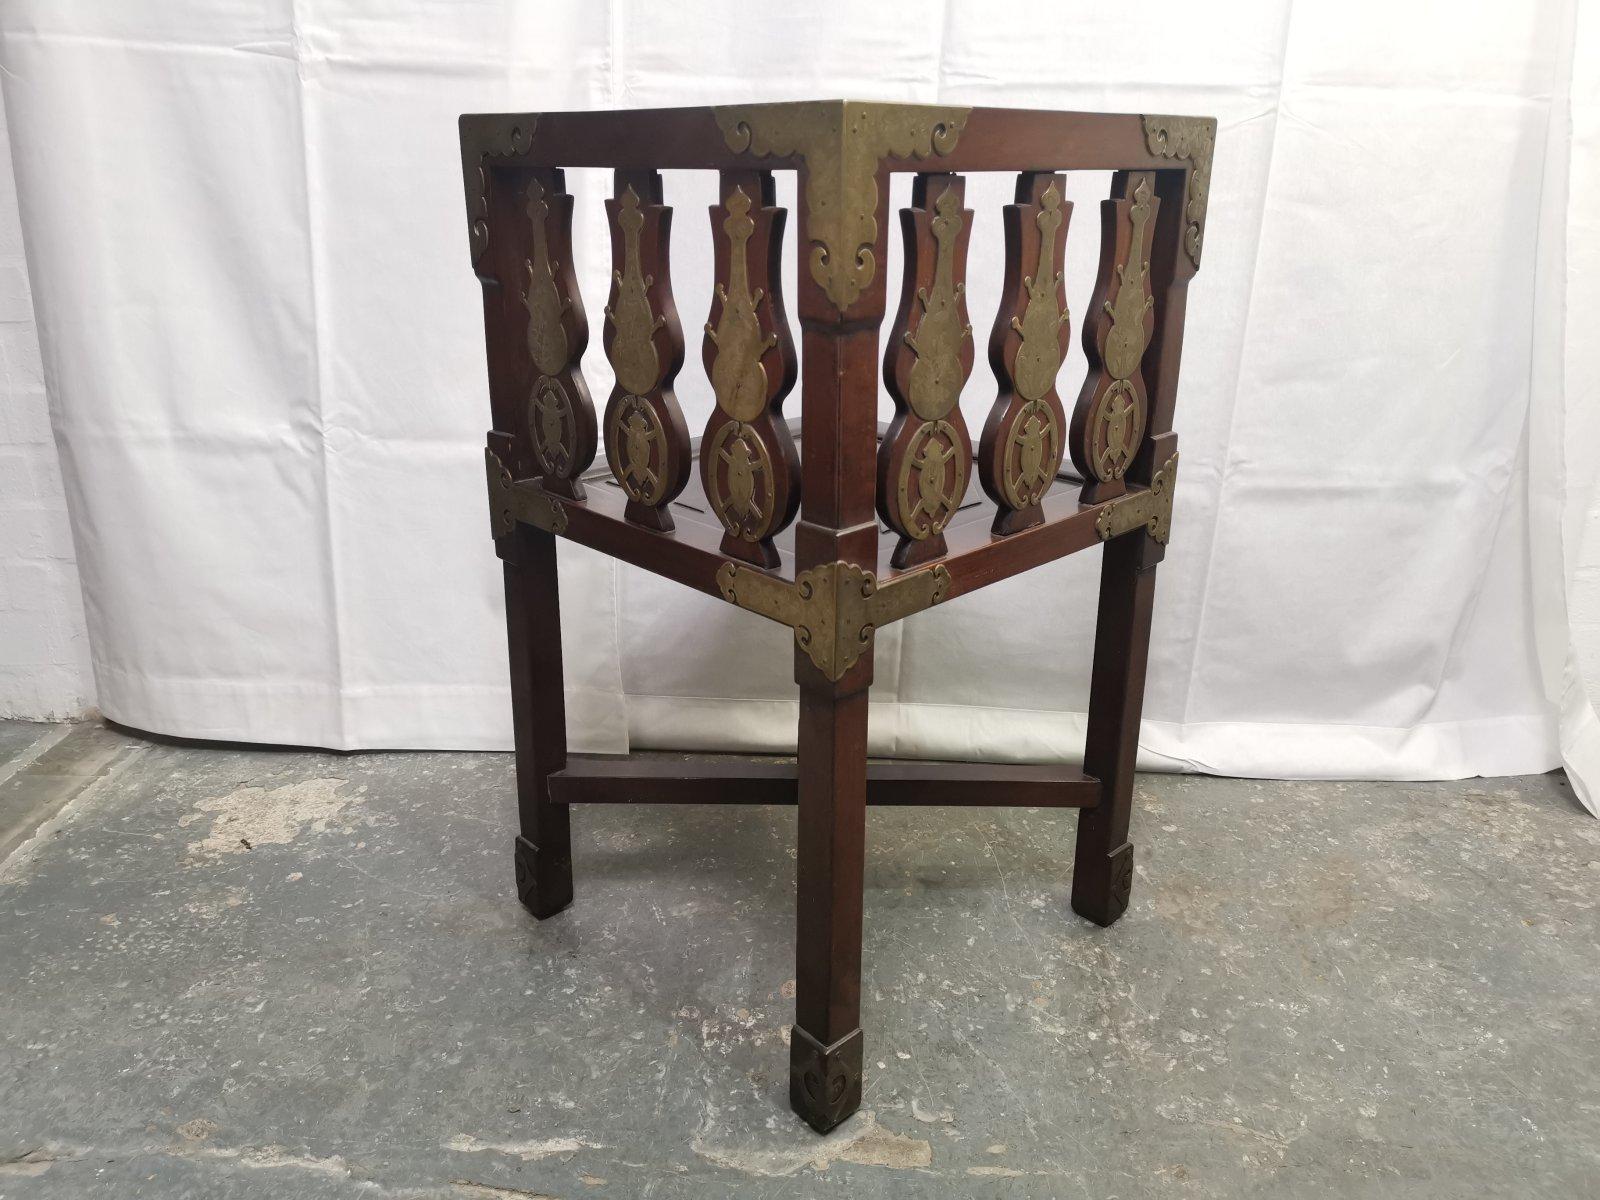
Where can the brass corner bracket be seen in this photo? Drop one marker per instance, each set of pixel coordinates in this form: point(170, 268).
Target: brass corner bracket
point(1192, 139)
point(833, 609)
point(510, 502)
point(483, 137)
point(1150, 508)
point(842, 145)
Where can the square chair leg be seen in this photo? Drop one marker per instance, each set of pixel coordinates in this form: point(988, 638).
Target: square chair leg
point(1102, 872)
point(825, 1044)
point(543, 851)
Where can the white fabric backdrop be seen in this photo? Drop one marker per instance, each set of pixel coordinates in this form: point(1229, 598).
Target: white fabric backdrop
point(263, 346)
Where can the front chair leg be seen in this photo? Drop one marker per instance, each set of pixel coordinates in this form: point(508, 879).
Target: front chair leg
point(825, 1044)
point(1102, 872)
point(539, 714)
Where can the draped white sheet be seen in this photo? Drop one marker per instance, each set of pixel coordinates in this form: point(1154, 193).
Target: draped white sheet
point(264, 352)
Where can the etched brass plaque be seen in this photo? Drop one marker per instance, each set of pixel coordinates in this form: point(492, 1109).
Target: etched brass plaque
point(1039, 355)
point(1125, 343)
point(936, 375)
point(933, 479)
point(547, 307)
point(636, 447)
point(634, 323)
point(553, 426)
point(739, 480)
point(737, 376)
point(1031, 454)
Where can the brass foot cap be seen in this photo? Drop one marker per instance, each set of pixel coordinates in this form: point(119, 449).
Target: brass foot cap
point(824, 1081)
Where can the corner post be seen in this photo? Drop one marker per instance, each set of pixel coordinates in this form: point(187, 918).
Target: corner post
point(503, 247)
point(839, 388)
point(1102, 876)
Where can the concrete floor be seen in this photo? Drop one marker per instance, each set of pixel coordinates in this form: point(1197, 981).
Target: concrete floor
point(266, 973)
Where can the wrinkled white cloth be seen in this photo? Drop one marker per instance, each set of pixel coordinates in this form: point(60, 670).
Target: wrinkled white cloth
point(263, 345)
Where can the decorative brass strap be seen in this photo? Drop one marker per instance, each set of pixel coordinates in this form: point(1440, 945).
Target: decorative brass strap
point(510, 502)
point(833, 609)
point(1151, 508)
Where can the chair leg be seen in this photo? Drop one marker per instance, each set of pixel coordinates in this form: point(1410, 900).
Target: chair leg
point(539, 714)
point(825, 1044)
point(1102, 873)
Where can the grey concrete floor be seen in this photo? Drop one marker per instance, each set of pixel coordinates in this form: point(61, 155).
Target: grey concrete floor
point(265, 973)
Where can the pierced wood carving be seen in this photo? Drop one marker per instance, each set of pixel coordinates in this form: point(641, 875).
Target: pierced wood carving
point(842, 145)
point(1108, 422)
point(560, 417)
point(926, 456)
point(1025, 435)
point(748, 461)
point(647, 442)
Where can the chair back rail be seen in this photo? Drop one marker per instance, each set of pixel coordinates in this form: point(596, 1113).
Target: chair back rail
point(1118, 433)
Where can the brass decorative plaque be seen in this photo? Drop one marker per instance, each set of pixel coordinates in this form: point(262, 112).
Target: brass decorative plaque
point(933, 479)
point(633, 344)
point(1039, 356)
point(1192, 139)
point(835, 608)
point(1151, 508)
point(636, 446)
point(737, 376)
point(842, 145)
point(553, 425)
point(497, 137)
point(1125, 342)
point(936, 376)
point(547, 307)
point(744, 505)
point(1118, 418)
point(1031, 455)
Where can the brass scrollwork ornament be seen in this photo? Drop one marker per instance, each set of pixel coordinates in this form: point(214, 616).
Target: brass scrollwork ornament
point(647, 442)
point(484, 137)
point(559, 415)
point(1024, 437)
point(842, 144)
point(1109, 421)
point(749, 464)
point(926, 456)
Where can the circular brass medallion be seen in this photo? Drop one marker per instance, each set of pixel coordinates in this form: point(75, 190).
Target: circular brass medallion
point(739, 481)
point(933, 478)
point(1115, 428)
point(1032, 453)
point(636, 448)
point(553, 426)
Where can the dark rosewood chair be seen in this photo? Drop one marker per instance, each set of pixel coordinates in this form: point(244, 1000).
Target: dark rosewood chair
point(829, 579)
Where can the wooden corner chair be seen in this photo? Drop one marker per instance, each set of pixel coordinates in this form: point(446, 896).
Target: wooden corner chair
point(829, 578)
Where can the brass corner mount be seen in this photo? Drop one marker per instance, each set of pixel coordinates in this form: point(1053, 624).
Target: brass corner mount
point(1190, 139)
point(1149, 508)
point(510, 502)
point(833, 609)
point(842, 145)
point(482, 138)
